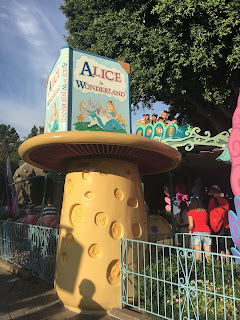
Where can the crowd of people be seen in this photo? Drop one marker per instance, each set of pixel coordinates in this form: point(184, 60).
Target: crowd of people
point(165, 117)
point(202, 222)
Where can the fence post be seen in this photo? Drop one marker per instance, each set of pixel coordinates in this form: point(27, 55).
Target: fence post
point(43, 199)
point(29, 234)
point(7, 240)
point(121, 275)
point(171, 197)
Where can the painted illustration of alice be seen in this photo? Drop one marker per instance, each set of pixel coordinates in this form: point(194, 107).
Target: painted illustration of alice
point(52, 123)
point(107, 119)
point(111, 111)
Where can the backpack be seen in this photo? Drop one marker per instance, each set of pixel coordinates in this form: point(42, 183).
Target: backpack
point(216, 217)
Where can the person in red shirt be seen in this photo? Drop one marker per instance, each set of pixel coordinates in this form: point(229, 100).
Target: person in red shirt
point(199, 227)
point(225, 231)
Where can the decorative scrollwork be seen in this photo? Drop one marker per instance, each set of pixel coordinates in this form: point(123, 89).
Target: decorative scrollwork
point(157, 139)
point(193, 293)
point(183, 136)
point(190, 254)
point(33, 247)
point(193, 283)
point(193, 138)
point(182, 253)
point(124, 266)
point(182, 290)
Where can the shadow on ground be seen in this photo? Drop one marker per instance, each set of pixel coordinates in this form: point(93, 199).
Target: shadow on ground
point(34, 299)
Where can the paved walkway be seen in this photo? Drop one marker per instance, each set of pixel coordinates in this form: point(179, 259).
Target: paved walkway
point(32, 300)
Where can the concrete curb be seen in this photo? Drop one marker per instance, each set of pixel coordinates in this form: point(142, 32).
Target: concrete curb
point(19, 272)
point(127, 314)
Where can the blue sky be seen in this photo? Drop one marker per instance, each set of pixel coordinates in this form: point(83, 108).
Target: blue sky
point(31, 37)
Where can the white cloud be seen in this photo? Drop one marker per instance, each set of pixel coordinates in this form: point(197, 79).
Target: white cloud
point(26, 22)
point(38, 34)
point(31, 38)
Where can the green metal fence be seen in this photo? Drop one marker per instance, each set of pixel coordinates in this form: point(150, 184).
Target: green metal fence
point(29, 246)
point(171, 283)
point(219, 244)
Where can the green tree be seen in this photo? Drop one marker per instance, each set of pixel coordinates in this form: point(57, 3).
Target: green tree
point(9, 141)
point(184, 53)
point(9, 144)
point(34, 132)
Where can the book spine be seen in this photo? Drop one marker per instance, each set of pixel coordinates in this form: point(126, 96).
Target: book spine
point(64, 88)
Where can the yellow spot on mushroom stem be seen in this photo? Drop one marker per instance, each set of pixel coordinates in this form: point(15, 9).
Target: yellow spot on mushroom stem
point(118, 194)
point(86, 175)
point(116, 230)
point(95, 251)
point(101, 219)
point(77, 215)
point(113, 272)
point(132, 202)
point(89, 195)
point(136, 230)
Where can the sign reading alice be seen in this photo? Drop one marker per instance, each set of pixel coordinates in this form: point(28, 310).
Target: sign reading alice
point(88, 92)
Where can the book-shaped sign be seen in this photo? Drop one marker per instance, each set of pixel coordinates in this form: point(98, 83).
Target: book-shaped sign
point(88, 92)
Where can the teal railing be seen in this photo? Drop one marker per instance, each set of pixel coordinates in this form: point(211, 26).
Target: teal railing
point(170, 282)
point(184, 240)
point(29, 246)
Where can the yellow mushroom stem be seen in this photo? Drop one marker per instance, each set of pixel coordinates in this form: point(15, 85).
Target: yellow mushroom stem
point(103, 201)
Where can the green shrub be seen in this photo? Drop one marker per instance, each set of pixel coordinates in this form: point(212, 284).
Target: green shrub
point(178, 285)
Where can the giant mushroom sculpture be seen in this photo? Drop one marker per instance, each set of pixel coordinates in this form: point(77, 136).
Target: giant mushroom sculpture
point(103, 201)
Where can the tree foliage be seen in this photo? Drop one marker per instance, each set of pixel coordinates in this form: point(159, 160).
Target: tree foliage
point(34, 132)
point(9, 144)
point(9, 141)
point(184, 53)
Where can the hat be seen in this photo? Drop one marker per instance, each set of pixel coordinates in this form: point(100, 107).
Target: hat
point(155, 115)
point(146, 114)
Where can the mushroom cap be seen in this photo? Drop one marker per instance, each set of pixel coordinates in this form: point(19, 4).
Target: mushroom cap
point(53, 151)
